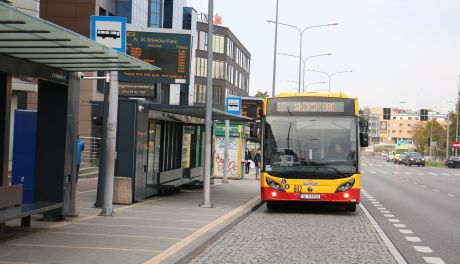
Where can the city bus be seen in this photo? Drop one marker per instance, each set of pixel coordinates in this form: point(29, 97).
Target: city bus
point(310, 149)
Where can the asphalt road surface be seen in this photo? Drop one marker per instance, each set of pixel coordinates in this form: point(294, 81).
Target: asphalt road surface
point(417, 207)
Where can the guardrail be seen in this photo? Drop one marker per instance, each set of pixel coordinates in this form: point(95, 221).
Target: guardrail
point(92, 150)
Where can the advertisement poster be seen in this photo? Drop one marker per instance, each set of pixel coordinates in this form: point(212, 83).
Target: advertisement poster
point(233, 159)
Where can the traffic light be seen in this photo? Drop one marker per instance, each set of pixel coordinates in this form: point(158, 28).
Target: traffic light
point(387, 113)
point(424, 114)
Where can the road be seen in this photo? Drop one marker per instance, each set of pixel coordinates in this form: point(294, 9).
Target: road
point(417, 207)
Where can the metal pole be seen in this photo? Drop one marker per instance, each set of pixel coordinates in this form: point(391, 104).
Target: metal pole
point(275, 52)
point(101, 179)
point(110, 155)
point(303, 79)
point(431, 138)
point(300, 60)
point(458, 106)
point(227, 139)
point(447, 139)
point(209, 88)
point(330, 76)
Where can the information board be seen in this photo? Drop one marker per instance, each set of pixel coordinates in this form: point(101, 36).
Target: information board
point(170, 52)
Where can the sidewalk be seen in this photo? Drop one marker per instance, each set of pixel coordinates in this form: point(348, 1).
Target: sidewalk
point(164, 229)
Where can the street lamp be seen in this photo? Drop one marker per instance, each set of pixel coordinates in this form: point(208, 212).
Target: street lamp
point(301, 31)
point(304, 60)
point(330, 75)
point(275, 50)
point(458, 106)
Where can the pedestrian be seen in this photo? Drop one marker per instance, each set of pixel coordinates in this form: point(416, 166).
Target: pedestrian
point(257, 161)
point(80, 148)
point(247, 158)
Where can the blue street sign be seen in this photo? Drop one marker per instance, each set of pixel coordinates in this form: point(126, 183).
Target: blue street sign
point(109, 31)
point(233, 105)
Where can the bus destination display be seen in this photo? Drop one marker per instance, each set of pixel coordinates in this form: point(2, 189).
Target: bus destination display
point(311, 107)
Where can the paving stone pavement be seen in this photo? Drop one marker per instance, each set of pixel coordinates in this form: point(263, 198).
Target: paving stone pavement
point(299, 235)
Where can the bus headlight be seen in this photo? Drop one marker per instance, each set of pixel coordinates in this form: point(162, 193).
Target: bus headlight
point(346, 186)
point(274, 185)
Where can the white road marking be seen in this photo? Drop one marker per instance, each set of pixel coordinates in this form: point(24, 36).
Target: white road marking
point(389, 215)
point(400, 225)
point(445, 174)
point(391, 247)
point(377, 205)
point(372, 199)
point(397, 172)
point(409, 173)
point(413, 239)
point(383, 172)
point(435, 190)
point(381, 208)
point(375, 202)
point(385, 212)
point(394, 220)
point(451, 195)
point(420, 173)
point(423, 249)
point(406, 231)
point(433, 260)
point(372, 172)
point(424, 186)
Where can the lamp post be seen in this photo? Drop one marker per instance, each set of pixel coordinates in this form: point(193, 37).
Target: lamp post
point(304, 60)
point(458, 106)
point(330, 75)
point(276, 50)
point(301, 31)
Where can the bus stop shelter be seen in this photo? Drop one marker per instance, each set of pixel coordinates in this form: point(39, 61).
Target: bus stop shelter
point(53, 55)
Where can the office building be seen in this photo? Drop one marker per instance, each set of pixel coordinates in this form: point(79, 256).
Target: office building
point(231, 66)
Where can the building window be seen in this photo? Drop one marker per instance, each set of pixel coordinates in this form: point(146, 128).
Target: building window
point(203, 41)
point(155, 13)
point(200, 93)
point(230, 48)
point(124, 9)
point(219, 44)
point(201, 67)
point(394, 117)
point(219, 68)
point(168, 13)
point(217, 94)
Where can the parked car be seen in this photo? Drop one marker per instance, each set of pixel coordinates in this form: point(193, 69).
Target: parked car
point(402, 159)
point(414, 158)
point(453, 162)
point(390, 157)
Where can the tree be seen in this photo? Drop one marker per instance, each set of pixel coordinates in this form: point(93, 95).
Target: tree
point(261, 94)
point(422, 134)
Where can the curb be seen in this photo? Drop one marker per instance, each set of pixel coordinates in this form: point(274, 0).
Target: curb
point(390, 246)
point(188, 248)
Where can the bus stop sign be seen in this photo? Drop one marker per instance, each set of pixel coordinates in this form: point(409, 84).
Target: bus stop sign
point(109, 31)
point(456, 145)
point(233, 105)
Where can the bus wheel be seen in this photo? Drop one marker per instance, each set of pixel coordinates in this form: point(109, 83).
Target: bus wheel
point(271, 205)
point(350, 207)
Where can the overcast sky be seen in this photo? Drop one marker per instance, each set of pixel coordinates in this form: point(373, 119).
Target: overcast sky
point(399, 50)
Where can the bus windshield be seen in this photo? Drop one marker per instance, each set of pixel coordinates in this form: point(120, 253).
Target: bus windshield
point(320, 147)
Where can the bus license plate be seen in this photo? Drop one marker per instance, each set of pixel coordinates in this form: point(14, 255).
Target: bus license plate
point(308, 196)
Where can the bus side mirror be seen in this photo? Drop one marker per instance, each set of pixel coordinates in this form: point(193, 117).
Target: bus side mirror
point(364, 140)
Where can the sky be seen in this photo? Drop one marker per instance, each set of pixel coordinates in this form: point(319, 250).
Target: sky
point(399, 50)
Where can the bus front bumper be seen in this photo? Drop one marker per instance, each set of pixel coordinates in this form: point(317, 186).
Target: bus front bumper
point(349, 196)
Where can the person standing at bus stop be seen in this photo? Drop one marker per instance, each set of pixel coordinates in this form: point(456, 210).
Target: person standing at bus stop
point(257, 161)
point(80, 148)
point(247, 158)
